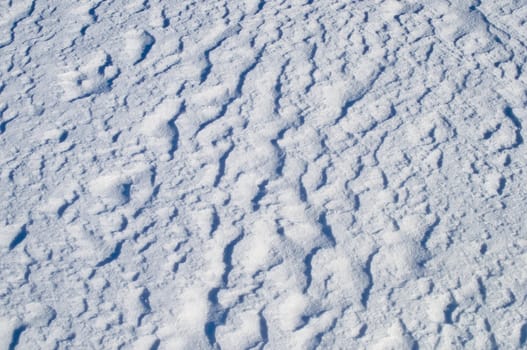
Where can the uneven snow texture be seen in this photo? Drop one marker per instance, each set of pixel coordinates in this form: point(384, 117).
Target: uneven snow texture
point(262, 174)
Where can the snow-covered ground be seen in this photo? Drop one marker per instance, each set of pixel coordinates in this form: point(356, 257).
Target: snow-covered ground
point(254, 174)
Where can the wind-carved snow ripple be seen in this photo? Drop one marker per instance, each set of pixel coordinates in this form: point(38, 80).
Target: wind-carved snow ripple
point(262, 174)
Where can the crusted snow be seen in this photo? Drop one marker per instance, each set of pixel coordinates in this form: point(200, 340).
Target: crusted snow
point(262, 174)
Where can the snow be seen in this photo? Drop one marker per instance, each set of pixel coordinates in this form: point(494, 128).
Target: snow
point(262, 174)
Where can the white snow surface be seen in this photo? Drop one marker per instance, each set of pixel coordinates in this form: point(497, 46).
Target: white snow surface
point(261, 174)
